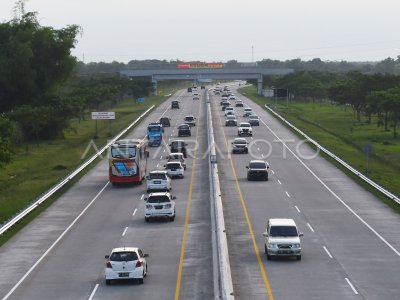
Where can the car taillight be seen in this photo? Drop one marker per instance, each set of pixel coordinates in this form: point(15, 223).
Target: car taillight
point(108, 265)
point(139, 264)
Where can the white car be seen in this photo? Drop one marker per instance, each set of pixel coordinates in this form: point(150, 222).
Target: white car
point(126, 263)
point(158, 180)
point(160, 205)
point(282, 238)
point(245, 129)
point(230, 120)
point(247, 112)
point(229, 111)
point(175, 169)
point(177, 157)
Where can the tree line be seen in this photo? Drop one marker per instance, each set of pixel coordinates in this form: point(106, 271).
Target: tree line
point(40, 89)
point(371, 94)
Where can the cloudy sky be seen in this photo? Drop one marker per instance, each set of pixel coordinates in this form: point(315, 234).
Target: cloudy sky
point(220, 30)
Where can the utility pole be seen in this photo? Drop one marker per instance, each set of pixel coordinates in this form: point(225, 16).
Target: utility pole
point(252, 54)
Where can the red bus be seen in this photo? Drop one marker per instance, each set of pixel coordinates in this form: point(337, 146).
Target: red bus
point(127, 161)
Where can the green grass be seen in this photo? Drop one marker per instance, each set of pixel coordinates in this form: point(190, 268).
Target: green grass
point(40, 165)
point(336, 129)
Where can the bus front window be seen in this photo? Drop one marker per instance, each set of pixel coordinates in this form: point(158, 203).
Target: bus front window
point(123, 152)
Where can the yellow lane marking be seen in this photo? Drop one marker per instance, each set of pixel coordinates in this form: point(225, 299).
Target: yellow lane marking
point(179, 278)
point(264, 275)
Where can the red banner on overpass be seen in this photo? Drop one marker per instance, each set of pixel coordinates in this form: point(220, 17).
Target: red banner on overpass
point(200, 66)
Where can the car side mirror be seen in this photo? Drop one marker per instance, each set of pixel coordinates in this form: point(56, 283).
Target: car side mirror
point(147, 177)
point(300, 234)
point(145, 199)
point(173, 197)
point(165, 166)
point(186, 144)
point(107, 256)
point(247, 167)
point(145, 255)
point(170, 145)
point(265, 234)
point(267, 167)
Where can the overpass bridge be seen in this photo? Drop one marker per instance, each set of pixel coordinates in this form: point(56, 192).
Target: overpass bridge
point(223, 73)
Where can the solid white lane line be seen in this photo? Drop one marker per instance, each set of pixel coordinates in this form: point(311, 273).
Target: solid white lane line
point(272, 171)
point(312, 229)
point(55, 243)
point(351, 285)
point(134, 212)
point(287, 194)
point(279, 181)
point(297, 208)
point(94, 291)
point(126, 228)
point(333, 193)
point(327, 251)
point(141, 198)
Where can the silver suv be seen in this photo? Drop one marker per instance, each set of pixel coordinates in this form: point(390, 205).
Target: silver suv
point(282, 238)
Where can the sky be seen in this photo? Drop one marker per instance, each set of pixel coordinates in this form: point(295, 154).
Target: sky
point(222, 30)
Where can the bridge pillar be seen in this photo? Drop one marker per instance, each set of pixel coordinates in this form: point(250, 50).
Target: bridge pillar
point(259, 86)
point(154, 82)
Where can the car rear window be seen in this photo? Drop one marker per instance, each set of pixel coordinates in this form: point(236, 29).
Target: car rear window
point(257, 165)
point(123, 256)
point(283, 231)
point(245, 125)
point(157, 176)
point(158, 199)
point(173, 166)
point(189, 118)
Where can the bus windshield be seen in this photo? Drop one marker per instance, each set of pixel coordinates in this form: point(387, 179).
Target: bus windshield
point(154, 129)
point(123, 152)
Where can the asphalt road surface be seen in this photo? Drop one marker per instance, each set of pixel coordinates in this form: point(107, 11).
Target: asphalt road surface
point(351, 240)
point(350, 246)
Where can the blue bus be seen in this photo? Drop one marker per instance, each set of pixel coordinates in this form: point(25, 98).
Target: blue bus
point(155, 133)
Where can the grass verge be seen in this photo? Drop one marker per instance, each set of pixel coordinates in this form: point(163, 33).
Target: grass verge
point(336, 129)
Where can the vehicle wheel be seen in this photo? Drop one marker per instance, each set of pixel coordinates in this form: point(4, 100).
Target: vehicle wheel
point(265, 249)
point(266, 178)
point(269, 257)
point(298, 257)
point(141, 280)
point(246, 151)
point(114, 184)
point(141, 182)
point(108, 281)
point(147, 270)
point(146, 219)
point(248, 178)
point(148, 191)
point(171, 219)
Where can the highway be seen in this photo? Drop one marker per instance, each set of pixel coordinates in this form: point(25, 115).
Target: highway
point(74, 267)
point(351, 241)
point(350, 246)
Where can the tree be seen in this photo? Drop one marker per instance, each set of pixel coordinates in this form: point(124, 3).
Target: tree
point(6, 130)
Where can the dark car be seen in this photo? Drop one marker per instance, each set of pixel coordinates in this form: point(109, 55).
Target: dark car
point(178, 146)
point(184, 130)
point(203, 87)
point(165, 121)
point(239, 145)
point(175, 104)
point(225, 104)
point(189, 90)
point(257, 170)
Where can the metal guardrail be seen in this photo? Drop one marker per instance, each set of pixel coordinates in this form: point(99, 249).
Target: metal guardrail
point(338, 159)
point(59, 185)
point(225, 286)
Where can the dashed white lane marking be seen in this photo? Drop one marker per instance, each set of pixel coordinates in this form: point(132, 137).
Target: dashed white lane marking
point(272, 171)
point(297, 209)
point(126, 228)
point(54, 244)
point(279, 181)
point(158, 165)
point(351, 285)
point(94, 291)
point(134, 212)
point(141, 198)
point(164, 150)
point(309, 226)
point(327, 252)
point(161, 157)
point(287, 194)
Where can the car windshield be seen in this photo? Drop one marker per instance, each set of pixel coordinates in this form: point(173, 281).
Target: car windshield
point(230, 117)
point(247, 109)
point(245, 125)
point(240, 142)
point(253, 117)
point(175, 156)
point(164, 120)
point(154, 129)
point(158, 199)
point(123, 256)
point(157, 176)
point(123, 152)
point(184, 127)
point(173, 166)
point(257, 165)
point(189, 118)
point(283, 231)
point(177, 144)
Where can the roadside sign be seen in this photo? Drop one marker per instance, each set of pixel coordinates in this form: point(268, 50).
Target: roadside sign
point(103, 115)
point(140, 100)
point(368, 148)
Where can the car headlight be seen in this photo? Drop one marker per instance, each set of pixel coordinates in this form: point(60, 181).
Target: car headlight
point(272, 245)
point(168, 205)
point(296, 246)
point(148, 206)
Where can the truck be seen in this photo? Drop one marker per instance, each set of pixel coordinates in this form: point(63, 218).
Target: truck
point(155, 133)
